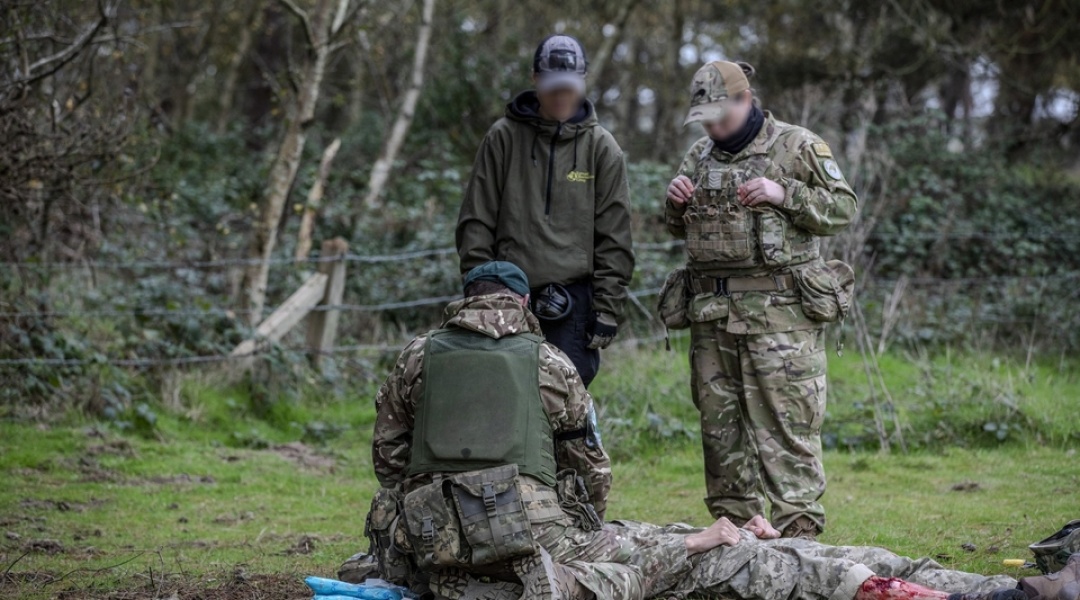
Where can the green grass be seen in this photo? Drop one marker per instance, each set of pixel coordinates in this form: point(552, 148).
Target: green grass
point(187, 506)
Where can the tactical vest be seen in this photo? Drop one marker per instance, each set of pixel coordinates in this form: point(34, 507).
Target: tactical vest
point(723, 235)
point(481, 407)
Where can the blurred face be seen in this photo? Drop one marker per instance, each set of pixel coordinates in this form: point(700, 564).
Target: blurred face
point(559, 104)
point(733, 120)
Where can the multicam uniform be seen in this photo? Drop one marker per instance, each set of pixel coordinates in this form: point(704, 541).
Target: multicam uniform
point(555, 520)
point(760, 292)
point(565, 400)
point(496, 510)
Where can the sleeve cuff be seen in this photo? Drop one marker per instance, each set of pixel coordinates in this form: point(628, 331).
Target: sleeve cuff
point(793, 194)
point(675, 209)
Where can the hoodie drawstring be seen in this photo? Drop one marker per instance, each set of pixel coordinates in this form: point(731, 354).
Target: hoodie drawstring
point(551, 169)
point(536, 140)
point(577, 133)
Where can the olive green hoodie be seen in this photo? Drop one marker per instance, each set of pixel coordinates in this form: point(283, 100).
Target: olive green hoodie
point(553, 199)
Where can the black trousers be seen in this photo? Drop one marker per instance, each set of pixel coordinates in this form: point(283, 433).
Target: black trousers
point(571, 335)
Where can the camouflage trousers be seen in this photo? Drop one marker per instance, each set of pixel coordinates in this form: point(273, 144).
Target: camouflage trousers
point(632, 560)
point(801, 569)
point(615, 562)
point(762, 402)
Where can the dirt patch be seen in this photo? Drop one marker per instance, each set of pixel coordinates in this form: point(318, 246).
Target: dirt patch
point(305, 456)
point(178, 479)
point(44, 546)
point(237, 585)
point(966, 486)
point(25, 578)
point(90, 471)
point(28, 471)
point(16, 519)
point(111, 448)
point(233, 519)
point(60, 505)
point(304, 545)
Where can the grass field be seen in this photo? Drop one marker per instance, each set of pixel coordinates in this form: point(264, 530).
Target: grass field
point(217, 502)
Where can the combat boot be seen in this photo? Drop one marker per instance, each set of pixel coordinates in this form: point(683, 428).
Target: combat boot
point(358, 568)
point(1063, 585)
point(454, 584)
point(801, 527)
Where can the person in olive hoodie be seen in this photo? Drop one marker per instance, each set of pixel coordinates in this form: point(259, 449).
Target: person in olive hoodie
point(549, 193)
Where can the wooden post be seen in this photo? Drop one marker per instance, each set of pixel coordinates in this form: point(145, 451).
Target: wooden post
point(299, 304)
point(322, 325)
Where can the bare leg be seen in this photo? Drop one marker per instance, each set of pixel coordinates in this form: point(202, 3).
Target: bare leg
point(891, 588)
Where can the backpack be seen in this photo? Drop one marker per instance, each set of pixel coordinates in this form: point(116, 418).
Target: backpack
point(1052, 553)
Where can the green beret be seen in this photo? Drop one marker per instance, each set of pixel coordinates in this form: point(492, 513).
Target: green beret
point(500, 271)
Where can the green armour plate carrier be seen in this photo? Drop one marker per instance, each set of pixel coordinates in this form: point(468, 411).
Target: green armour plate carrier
point(481, 407)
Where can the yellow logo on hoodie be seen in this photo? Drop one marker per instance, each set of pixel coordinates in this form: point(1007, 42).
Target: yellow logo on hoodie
point(579, 176)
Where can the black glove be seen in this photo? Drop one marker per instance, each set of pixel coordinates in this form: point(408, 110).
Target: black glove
point(602, 330)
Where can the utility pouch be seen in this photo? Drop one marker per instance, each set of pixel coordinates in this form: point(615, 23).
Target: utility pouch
point(493, 518)
point(826, 289)
point(432, 527)
point(382, 522)
point(773, 238)
point(673, 305)
point(719, 233)
point(574, 499)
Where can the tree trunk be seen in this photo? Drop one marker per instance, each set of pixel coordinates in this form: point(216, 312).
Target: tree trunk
point(603, 54)
point(314, 199)
point(251, 27)
point(287, 162)
point(380, 172)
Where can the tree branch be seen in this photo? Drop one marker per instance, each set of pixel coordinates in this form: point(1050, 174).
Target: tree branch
point(357, 11)
point(66, 55)
point(304, 20)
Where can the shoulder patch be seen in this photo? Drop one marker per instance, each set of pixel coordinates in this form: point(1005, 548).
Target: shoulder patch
point(822, 150)
point(832, 168)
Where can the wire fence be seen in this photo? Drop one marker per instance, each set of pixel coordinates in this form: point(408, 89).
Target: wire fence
point(232, 313)
point(161, 264)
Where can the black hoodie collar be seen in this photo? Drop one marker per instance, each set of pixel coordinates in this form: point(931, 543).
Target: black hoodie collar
point(526, 107)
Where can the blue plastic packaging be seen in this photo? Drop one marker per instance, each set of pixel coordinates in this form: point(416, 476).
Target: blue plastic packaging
point(372, 589)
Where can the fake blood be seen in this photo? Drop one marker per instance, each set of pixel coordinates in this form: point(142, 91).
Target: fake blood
point(891, 588)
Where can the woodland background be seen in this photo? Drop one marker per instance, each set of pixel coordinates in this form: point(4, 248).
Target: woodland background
point(170, 168)
point(167, 166)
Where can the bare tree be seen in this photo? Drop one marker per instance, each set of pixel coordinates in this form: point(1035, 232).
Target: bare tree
point(603, 55)
point(380, 172)
point(319, 33)
point(248, 30)
point(314, 199)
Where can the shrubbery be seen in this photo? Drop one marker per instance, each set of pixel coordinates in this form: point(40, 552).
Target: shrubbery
point(989, 247)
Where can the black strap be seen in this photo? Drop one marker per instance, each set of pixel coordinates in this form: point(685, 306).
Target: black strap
point(575, 434)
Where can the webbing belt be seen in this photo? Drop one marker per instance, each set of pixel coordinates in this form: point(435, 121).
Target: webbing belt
point(726, 286)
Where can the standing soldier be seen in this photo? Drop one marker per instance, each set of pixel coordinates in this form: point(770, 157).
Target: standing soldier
point(549, 193)
point(752, 199)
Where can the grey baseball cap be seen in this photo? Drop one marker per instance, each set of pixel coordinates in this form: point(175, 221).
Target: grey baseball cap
point(559, 62)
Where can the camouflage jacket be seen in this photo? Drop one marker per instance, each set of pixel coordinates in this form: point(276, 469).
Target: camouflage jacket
point(566, 402)
point(818, 201)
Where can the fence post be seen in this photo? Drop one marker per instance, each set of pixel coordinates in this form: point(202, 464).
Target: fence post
point(322, 325)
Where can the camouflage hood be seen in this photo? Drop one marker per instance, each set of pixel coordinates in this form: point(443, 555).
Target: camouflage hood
point(495, 315)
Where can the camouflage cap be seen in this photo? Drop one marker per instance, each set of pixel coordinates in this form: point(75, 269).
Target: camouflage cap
point(500, 271)
point(714, 85)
